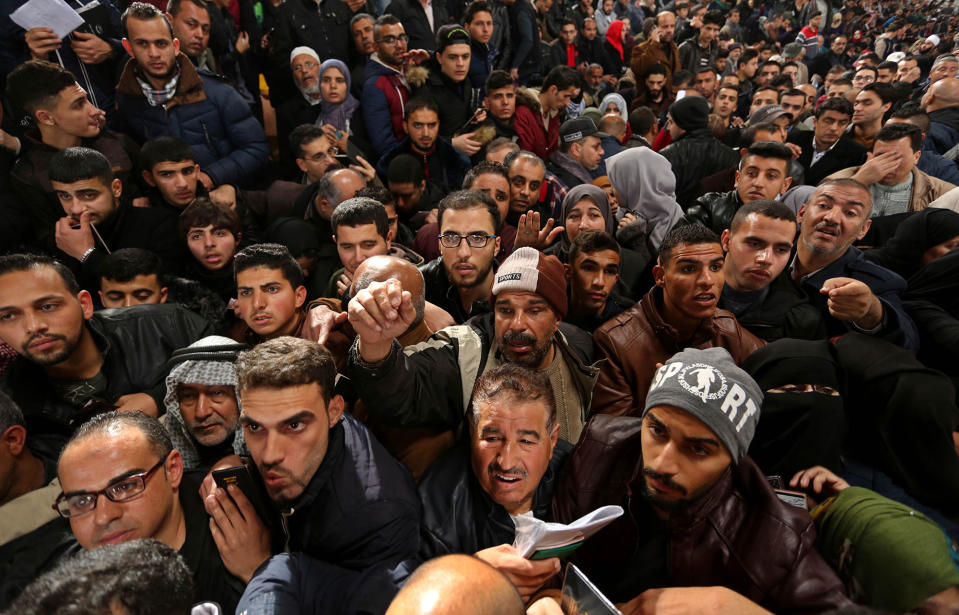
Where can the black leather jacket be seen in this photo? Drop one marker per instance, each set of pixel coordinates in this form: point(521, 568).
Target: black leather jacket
point(136, 343)
point(459, 517)
point(715, 210)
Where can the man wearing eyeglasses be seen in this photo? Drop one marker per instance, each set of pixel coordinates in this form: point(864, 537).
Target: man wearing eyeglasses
point(432, 385)
point(122, 480)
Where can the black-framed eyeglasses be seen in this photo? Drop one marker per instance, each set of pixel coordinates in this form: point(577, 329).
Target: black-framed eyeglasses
point(473, 240)
point(392, 40)
point(120, 490)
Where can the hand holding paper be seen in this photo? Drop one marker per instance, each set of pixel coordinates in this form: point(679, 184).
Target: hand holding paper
point(537, 539)
point(54, 15)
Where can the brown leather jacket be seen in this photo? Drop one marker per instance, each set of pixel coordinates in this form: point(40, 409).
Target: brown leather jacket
point(634, 341)
point(738, 534)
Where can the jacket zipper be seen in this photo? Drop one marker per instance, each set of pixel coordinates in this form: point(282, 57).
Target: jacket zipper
point(206, 135)
point(284, 519)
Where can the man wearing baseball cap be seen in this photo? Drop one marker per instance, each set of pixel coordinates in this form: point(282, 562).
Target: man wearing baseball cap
point(701, 513)
point(580, 151)
point(432, 383)
point(447, 84)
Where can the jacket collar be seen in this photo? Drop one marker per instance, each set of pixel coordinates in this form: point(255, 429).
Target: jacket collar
point(569, 164)
point(697, 510)
point(189, 88)
point(335, 451)
point(665, 332)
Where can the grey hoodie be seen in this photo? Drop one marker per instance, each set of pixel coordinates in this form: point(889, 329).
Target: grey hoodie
point(646, 185)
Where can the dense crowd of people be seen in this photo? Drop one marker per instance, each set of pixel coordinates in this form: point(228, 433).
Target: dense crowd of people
point(306, 306)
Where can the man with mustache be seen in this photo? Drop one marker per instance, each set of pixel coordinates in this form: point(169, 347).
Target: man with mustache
point(851, 292)
point(432, 384)
point(72, 362)
point(764, 300)
point(701, 518)
point(202, 410)
point(510, 468)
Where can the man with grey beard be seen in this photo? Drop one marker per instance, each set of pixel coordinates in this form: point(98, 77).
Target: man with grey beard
point(853, 293)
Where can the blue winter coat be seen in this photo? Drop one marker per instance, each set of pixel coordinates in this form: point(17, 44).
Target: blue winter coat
point(228, 142)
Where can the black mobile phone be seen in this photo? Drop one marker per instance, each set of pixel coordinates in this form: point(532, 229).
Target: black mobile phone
point(241, 477)
point(344, 160)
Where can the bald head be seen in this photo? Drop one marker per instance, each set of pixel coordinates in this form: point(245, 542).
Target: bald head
point(943, 93)
point(348, 182)
point(457, 585)
point(382, 268)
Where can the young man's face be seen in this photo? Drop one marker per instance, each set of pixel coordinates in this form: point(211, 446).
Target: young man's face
point(39, 317)
point(682, 458)
point(150, 44)
point(757, 252)
point(288, 433)
point(468, 267)
point(210, 412)
point(502, 102)
point(838, 89)
point(101, 460)
point(767, 74)
point(886, 75)
point(792, 72)
point(749, 68)
point(355, 244)
point(692, 281)
point(175, 181)
point(592, 276)
point(497, 187)
point(705, 84)
point(525, 178)
point(512, 445)
point(707, 34)
point(481, 27)
point(391, 53)
point(362, 32)
point(763, 98)
point(864, 77)
point(829, 127)
point(762, 178)
point(585, 215)
point(588, 152)
point(525, 323)
point(212, 247)
point(557, 99)
point(407, 195)
point(868, 108)
point(568, 34)
point(191, 27)
point(907, 158)
point(454, 61)
point(267, 302)
point(89, 196)
point(726, 101)
point(833, 218)
point(73, 113)
point(655, 84)
point(316, 157)
point(423, 126)
point(143, 289)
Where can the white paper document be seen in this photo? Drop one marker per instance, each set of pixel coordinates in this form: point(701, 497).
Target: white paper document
point(533, 535)
point(54, 14)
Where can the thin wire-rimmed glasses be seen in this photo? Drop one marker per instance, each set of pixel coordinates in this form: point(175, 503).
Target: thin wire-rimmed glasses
point(126, 488)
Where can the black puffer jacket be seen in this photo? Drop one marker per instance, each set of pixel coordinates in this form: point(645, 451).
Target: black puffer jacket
point(715, 210)
point(135, 343)
point(459, 517)
point(693, 156)
point(456, 101)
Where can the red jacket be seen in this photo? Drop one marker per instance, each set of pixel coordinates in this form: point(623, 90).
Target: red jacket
point(528, 124)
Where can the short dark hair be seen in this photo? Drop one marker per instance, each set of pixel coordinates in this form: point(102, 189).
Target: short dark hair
point(142, 576)
point(563, 77)
point(16, 263)
point(590, 241)
point(358, 211)
point(385, 20)
point(655, 69)
point(10, 413)
point(769, 149)
point(270, 256)
point(813, 15)
point(468, 199)
point(873, 69)
point(127, 263)
point(885, 92)
point(497, 80)
point(641, 120)
point(792, 92)
point(484, 168)
point(500, 142)
point(405, 169)
point(203, 212)
point(764, 88)
point(682, 77)
point(899, 130)
point(916, 115)
point(514, 383)
point(685, 234)
point(108, 423)
point(143, 12)
point(747, 55)
point(418, 104)
point(706, 69)
point(781, 81)
point(286, 362)
point(302, 135)
point(770, 63)
point(164, 149)
point(477, 6)
point(839, 104)
point(714, 17)
point(749, 135)
point(377, 193)
point(763, 207)
point(887, 65)
point(75, 164)
point(173, 7)
point(35, 84)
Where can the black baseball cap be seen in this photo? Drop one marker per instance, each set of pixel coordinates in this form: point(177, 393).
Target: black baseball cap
point(579, 128)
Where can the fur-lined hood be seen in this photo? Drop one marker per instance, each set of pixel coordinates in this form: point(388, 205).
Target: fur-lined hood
point(528, 97)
